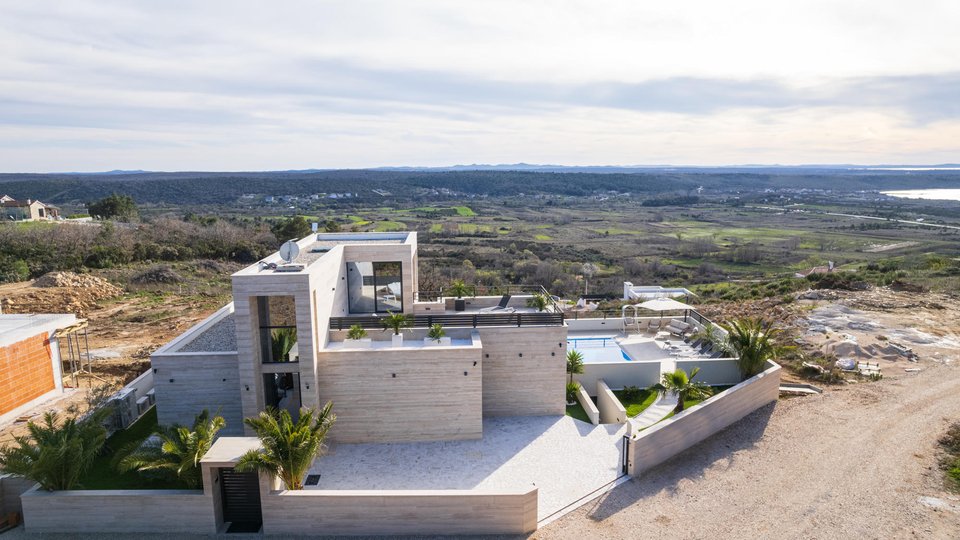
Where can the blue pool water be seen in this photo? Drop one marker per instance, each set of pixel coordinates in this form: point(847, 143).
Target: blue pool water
point(598, 350)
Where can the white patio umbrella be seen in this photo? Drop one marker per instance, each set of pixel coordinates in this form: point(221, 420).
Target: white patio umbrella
point(664, 304)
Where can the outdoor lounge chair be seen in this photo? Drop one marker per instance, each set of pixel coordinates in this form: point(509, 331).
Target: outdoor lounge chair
point(678, 328)
point(501, 307)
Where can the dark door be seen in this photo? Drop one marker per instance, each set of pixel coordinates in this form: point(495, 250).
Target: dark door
point(241, 500)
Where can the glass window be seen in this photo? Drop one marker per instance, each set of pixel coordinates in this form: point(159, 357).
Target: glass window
point(375, 287)
point(282, 391)
point(278, 329)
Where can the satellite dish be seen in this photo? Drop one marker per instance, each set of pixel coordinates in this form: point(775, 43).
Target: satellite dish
point(289, 251)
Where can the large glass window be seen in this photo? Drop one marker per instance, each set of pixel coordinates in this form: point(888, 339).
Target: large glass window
point(375, 287)
point(278, 329)
point(282, 391)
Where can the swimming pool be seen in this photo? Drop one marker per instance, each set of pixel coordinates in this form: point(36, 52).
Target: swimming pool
point(598, 350)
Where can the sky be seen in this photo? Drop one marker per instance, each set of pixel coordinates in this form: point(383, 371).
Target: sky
point(236, 85)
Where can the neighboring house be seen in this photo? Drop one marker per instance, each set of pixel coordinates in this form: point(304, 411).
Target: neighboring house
point(30, 368)
point(817, 270)
point(281, 343)
point(27, 210)
point(649, 292)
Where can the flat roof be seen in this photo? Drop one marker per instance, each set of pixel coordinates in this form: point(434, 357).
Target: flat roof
point(16, 327)
point(315, 246)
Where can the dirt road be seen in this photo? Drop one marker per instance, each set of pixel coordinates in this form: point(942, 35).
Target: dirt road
point(851, 463)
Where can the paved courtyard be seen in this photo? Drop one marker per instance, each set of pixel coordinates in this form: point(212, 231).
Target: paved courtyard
point(565, 458)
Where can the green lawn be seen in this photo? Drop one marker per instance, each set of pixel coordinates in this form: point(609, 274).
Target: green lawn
point(464, 211)
point(102, 474)
point(639, 404)
point(542, 237)
point(691, 402)
point(576, 411)
point(389, 226)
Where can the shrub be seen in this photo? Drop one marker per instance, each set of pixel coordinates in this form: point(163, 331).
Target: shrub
point(572, 389)
point(356, 332)
point(631, 392)
point(436, 332)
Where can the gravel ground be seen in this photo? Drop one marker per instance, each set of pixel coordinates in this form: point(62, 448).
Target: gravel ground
point(851, 463)
point(221, 337)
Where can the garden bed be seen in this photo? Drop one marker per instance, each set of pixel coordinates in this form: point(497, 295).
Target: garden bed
point(638, 403)
point(576, 411)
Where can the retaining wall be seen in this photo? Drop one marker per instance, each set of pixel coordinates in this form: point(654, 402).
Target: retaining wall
point(10, 489)
point(118, 511)
point(398, 512)
point(717, 371)
point(666, 439)
point(588, 405)
point(620, 374)
point(611, 410)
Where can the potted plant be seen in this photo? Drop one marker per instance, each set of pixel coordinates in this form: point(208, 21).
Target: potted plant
point(458, 288)
point(357, 337)
point(396, 322)
point(573, 388)
point(538, 301)
point(436, 336)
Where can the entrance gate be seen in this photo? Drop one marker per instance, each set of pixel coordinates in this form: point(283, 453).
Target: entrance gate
point(240, 493)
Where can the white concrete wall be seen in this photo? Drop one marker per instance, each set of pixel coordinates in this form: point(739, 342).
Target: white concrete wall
point(524, 370)
point(666, 439)
point(398, 512)
point(717, 371)
point(593, 413)
point(611, 410)
point(11, 487)
point(619, 374)
point(118, 511)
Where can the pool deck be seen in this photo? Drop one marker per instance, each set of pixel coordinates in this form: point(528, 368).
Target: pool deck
point(565, 458)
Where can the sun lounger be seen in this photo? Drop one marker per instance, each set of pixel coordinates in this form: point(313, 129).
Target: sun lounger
point(499, 308)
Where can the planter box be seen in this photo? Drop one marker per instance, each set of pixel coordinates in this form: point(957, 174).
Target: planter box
point(364, 343)
point(397, 340)
point(444, 341)
point(459, 304)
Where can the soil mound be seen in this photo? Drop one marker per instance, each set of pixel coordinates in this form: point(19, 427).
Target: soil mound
point(60, 292)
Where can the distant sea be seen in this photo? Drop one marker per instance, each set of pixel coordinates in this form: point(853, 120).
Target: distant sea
point(937, 194)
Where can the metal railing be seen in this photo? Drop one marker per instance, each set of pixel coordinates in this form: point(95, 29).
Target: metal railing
point(453, 321)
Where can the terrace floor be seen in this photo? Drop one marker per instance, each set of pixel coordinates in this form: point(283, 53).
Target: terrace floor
point(565, 458)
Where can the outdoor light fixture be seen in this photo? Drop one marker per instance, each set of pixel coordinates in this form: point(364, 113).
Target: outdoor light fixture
point(247, 386)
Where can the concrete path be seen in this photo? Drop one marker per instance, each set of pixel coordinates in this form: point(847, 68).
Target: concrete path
point(565, 458)
point(656, 411)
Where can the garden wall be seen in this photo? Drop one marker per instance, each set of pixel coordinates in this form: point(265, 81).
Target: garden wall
point(10, 489)
point(716, 372)
point(398, 512)
point(187, 383)
point(664, 440)
point(118, 511)
point(611, 410)
point(619, 374)
point(593, 413)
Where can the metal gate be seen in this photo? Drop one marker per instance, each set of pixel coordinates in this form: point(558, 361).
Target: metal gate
point(241, 500)
point(625, 455)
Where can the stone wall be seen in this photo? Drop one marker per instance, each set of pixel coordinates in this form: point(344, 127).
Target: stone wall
point(524, 370)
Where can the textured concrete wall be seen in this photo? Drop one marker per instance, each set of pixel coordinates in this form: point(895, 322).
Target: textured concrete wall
point(398, 512)
point(664, 440)
point(619, 374)
point(26, 372)
point(524, 370)
point(118, 511)
point(719, 371)
point(611, 410)
point(187, 383)
point(588, 405)
point(403, 394)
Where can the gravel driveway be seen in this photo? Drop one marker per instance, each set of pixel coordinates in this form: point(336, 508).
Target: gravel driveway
point(851, 463)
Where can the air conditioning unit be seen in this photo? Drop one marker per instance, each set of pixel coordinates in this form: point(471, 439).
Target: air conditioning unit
point(124, 405)
point(142, 405)
point(152, 396)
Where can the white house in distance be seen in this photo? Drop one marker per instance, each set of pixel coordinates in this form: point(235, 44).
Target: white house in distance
point(26, 210)
point(282, 343)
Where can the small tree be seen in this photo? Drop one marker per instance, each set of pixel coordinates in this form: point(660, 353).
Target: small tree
point(356, 332)
point(177, 452)
point(396, 322)
point(436, 332)
point(538, 301)
point(288, 447)
point(574, 363)
point(684, 386)
point(294, 228)
point(56, 454)
point(331, 226)
point(115, 206)
point(754, 341)
point(458, 288)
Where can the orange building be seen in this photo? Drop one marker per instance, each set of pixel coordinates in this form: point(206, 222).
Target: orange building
point(30, 366)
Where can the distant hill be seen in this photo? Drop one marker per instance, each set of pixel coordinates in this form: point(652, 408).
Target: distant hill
point(184, 188)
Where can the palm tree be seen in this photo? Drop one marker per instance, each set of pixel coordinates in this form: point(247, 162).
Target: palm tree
point(458, 288)
point(396, 322)
point(684, 386)
point(288, 447)
point(56, 454)
point(178, 451)
point(281, 343)
point(574, 363)
point(754, 341)
point(538, 301)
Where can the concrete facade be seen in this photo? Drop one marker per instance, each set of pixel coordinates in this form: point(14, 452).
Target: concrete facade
point(186, 384)
point(524, 370)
